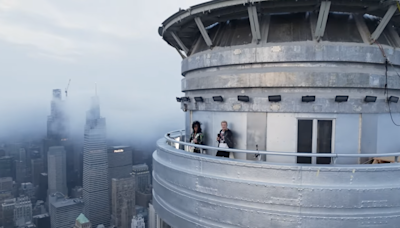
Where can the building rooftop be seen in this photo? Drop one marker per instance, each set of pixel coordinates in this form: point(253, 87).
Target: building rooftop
point(82, 219)
point(61, 201)
point(140, 167)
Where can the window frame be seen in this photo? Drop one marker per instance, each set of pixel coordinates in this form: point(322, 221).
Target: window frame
point(315, 133)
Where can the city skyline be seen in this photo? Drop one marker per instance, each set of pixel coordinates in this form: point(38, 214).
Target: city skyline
point(43, 70)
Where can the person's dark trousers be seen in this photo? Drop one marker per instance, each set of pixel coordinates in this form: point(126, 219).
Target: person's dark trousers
point(223, 154)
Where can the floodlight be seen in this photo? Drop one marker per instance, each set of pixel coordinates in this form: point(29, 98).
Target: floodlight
point(274, 98)
point(342, 98)
point(308, 98)
point(198, 99)
point(178, 99)
point(243, 98)
point(218, 98)
point(393, 99)
point(370, 99)
point(186, 99)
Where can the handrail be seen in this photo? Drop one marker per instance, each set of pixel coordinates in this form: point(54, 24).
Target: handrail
point(334, 156)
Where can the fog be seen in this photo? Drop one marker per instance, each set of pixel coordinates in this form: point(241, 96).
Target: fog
point(114, 44)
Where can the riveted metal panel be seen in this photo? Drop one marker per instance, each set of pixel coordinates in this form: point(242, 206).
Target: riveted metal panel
point(204, 191)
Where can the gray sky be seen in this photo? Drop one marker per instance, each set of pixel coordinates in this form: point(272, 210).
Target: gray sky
point(44, 43)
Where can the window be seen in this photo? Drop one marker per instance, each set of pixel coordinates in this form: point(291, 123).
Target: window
point(314, 136)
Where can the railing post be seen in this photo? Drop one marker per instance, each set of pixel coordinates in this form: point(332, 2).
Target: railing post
point(334, 160)
point(395, 159)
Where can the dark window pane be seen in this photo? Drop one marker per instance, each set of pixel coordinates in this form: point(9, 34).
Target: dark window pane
point(324, 141)
point(304, 140)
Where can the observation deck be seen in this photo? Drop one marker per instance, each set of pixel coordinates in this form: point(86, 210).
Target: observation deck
point(314, 85)
point(198, 190)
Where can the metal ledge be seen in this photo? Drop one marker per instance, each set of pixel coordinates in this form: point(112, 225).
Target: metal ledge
point(191, 190)
point(307, 51)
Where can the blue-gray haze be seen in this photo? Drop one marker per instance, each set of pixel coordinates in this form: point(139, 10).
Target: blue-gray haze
point(44, 43)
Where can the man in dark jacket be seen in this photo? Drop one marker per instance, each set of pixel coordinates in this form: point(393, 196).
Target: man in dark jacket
point(225, 139)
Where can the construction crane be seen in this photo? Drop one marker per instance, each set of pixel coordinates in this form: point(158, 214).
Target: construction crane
point(66, 89)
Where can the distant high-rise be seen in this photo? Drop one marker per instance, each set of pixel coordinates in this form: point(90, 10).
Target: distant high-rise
point(8, 213)
point(95, 168)
point(6, 189)
point(42, 221)
point(119, 163)
point(6, 166)
point(57, 127)
point(29, 190)
point(37, 168)
point(82, 222)
point(20, 171)
point(22, 211)
point(123, 201)
point(57, 170)
point(43, 186)
point(142, 176)
point(64, 211)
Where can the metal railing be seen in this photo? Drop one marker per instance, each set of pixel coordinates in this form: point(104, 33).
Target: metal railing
point(333, 156)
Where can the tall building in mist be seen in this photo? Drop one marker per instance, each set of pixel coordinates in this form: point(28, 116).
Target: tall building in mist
point(22, 211)
point(64, 211)
point(58, 135)
point(57, 127)
point(123, 201)
point(37, 169)
point(6, 166)
point(142, 177)
point(119, 163)
point(57, 170)
point(95, 167)
point(6, 192)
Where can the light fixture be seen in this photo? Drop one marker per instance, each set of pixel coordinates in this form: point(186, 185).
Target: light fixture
point(178, 99)
point(274, 98)
point(198, 99)
point(393, 99)
point(218, 98)
point(186, 99)
point(308, 98)
point(342, 98)
point(243, 98)
point(370, 99)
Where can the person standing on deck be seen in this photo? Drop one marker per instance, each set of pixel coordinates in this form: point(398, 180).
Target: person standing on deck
point(224, 139)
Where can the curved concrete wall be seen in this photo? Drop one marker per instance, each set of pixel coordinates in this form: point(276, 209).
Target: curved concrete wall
point(202, 191)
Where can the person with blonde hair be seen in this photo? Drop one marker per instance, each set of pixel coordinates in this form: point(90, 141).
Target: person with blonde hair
point(224, 139)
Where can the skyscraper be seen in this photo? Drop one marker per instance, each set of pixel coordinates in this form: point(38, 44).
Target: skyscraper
point(142, 177)
point(6, 166)
point(43, 186)
point(123, 201)
point(119, 164)
point(8, 213)
point(57, 170)
point(37, 169)
point(6, 188)
point(57, 121)
point(95, 166)
point(58, 135)
point(63, 211)
point(22, 211)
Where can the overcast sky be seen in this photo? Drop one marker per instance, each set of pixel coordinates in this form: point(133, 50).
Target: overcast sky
point(44, 43)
